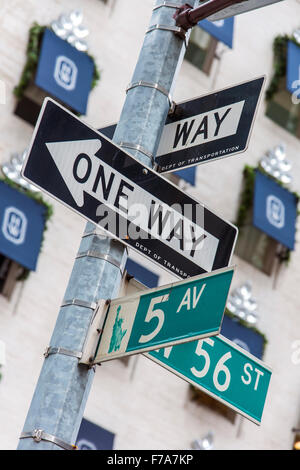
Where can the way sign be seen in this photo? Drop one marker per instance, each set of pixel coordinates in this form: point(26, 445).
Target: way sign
point(210, 127)
point(242, 7)
point(221, 369)
point(207, 128)
point(171, 314)
point(93, 176)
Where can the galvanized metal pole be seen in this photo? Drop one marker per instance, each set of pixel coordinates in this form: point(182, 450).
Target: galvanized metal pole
point(63, 386)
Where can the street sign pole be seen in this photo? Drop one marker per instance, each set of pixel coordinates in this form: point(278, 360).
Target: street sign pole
point(58, 403)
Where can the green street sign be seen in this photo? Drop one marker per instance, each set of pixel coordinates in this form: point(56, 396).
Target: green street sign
point(164, 316)
point(221, 369)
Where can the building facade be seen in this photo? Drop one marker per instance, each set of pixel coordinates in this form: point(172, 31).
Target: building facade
point(136, 403)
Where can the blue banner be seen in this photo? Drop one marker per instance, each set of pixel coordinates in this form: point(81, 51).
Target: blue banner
point(64, 72)
point(187, 174)
point(22, 225)
point(93, 437)
point(222, 30)
point(275, 210)
point(244, 337)
point(141, 274)
point(293, 67)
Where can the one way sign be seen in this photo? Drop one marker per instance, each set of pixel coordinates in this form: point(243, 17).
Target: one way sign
point(93, 176)
point(209, 127)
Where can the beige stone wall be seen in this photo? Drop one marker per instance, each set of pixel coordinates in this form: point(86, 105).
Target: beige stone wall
point(143, 404)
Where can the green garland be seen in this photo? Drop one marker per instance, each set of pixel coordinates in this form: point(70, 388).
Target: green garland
point(246, 200)
point(32, 53)
point(37, 197)
point(280, 53)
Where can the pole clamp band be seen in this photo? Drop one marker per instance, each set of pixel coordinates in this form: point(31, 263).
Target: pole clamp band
point(156, 86)
point(108, 258)
point(99, 235)
point(39, 435)
point(175, 29)
point(80, 303)
point(138, 147)
point(93, 232)
point(167, 4)
point(66, 352)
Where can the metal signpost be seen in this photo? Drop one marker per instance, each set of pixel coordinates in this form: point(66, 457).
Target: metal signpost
point(223, 370)
point(172, 314)
point(121, 193)
point(96, 178)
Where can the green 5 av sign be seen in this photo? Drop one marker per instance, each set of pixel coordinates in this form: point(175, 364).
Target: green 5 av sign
point(172, 314)
point(223, 370)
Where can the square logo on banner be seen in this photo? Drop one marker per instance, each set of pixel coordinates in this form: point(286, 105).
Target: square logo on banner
point(22, 222)
point(64, 72)
point(275, 210)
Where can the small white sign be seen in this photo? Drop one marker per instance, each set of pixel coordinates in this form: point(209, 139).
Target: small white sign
point(2, 353)
point(2, 92)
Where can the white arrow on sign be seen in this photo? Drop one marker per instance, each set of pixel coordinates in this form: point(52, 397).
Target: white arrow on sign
point(76, 163)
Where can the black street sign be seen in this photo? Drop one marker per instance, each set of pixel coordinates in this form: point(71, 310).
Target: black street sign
point(242, 7)
point(84, 170)
point(209, 128)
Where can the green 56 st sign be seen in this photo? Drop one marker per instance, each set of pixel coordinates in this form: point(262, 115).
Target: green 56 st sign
point(223, 370)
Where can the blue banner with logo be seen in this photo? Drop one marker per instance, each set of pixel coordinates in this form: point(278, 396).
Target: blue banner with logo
point(22, 225)
point(93, 437)
point(222, 30)
point(64, 72)
point(293, 67)
point(244, 337)
point(274, 210)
